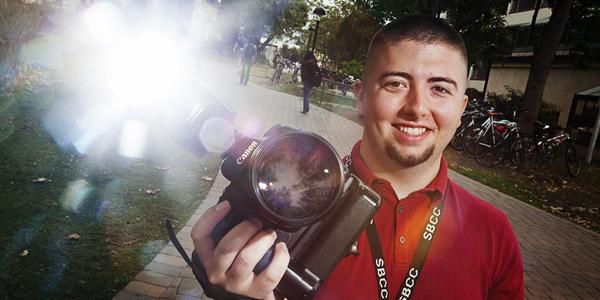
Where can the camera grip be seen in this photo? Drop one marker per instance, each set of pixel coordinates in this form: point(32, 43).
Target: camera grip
point(336, 236)
point(225, 225)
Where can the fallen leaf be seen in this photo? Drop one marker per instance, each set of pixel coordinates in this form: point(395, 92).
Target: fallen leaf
point(42, 180)
point(207, 178)
point(163, 168)
point(24, 253)
point(152, 192)
point(73, 236)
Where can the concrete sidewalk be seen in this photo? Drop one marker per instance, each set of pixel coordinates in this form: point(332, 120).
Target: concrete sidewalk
point(560, 259)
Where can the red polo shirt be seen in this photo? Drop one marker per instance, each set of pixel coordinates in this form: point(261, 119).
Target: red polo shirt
point(474, 253)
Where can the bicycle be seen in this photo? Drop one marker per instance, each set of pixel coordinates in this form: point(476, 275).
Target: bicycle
point(545, 149)
point(278, 72)
point(473, 133)
point(468, 120)
point(497, 145)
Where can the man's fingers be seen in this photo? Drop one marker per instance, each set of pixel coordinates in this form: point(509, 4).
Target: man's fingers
point(230, 245)
point(204, 226)
point(231, 262)
point(268, 279)
point(249, 256)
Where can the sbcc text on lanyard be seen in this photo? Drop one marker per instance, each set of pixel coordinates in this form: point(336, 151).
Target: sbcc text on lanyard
point(410, 279)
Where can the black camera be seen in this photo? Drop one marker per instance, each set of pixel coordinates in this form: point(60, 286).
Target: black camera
point(295, 182)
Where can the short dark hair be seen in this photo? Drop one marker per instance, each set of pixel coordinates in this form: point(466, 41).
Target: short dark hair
point(418, 28)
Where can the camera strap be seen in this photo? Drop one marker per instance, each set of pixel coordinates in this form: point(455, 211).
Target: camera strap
point(410, 279)
point(211, 290)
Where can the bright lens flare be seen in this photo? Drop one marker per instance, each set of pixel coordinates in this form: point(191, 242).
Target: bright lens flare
point(133, 139)
point(76, 195)
point(217, 134)
point(102, 20)
point(145, 70)
point(131, 74)
point(262, 185)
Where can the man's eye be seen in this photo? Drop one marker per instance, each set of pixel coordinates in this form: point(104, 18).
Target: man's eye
point(441, 90)
point(394, 84)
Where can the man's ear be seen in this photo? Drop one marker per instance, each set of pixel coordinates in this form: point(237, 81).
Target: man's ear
point(465, 102)
point(464, 106)
point(358, 89)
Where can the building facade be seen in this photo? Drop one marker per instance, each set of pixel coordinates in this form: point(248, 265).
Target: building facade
point(565, 79)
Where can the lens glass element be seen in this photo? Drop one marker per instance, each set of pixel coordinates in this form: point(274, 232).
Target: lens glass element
point(298, 177)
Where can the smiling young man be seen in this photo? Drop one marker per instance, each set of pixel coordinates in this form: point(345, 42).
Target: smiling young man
point(436, 240)
point(430, 238)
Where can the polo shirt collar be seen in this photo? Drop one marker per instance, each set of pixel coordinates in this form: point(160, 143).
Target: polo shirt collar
point(435, 189)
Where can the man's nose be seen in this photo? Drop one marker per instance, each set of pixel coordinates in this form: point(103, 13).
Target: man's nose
point(415, 104)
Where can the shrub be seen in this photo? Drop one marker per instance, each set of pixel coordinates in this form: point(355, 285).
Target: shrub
point(352, 68)
point(549, 114)
point(506, 103)
point(513, 101)
point(474, 94)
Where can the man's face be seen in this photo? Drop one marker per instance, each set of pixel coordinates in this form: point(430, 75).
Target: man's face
point(412, 98)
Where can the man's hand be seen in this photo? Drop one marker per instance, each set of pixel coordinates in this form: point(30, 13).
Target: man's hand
point(229, 264)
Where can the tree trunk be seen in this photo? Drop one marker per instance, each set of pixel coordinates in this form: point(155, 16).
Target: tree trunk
point(262, 46)
point(541, 63)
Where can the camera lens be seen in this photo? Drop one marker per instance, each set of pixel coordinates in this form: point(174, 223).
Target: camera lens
point(297, 178)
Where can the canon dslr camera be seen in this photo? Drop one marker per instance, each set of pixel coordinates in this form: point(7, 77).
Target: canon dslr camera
point(295, 182)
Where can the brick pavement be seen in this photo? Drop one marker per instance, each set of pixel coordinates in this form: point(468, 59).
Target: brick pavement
point(560, 259)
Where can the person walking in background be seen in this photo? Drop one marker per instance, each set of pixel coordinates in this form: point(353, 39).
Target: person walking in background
point(309, 71)
point(238, 50)
point(248, 59)
point(278, 67)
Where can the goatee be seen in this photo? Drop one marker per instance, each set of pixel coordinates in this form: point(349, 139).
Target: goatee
point(407, 161)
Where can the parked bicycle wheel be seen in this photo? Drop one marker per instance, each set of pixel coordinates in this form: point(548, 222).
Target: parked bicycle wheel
point(518, 152)
point(489, 150)
point(525, 152)
point(572, 160)
point(471, 135)
point(457, 140)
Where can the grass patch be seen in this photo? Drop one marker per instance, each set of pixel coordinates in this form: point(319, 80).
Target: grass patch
point(111, 202)
point(549, 188)
point(506, 185)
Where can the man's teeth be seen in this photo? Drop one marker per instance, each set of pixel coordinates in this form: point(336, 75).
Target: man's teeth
point(412, 130)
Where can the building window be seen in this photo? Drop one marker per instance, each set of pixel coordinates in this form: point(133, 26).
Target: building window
point(521, 36)
point(524, 5)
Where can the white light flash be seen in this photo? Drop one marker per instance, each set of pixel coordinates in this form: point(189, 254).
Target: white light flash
point(133, 139)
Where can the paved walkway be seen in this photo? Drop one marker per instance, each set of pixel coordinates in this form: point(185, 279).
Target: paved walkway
point(561, 260)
